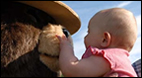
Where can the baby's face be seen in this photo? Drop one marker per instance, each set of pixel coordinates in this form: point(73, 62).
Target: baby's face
point(93, 38)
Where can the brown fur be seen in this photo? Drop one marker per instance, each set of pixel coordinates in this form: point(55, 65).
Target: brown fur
point(19, 54)
point(48, 38)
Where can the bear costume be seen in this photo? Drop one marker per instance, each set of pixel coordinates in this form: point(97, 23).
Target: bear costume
point(29, 47)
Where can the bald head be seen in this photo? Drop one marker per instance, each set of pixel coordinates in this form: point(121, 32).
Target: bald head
point(114, 18)
point(120, 23)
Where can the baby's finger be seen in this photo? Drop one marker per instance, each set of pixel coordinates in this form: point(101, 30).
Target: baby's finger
point(64, 37)
point(59, 37)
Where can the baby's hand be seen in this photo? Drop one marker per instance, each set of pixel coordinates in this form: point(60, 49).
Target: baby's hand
point(64, 41)
point(62, 38)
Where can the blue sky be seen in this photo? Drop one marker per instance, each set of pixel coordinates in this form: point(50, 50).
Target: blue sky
point(86, 9)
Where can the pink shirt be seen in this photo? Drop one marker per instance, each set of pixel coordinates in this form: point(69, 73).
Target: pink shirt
point(117, 58)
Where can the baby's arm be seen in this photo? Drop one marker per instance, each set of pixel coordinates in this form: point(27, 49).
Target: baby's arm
point(93, 66)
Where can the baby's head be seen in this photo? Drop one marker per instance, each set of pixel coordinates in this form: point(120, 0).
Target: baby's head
point(112, 28)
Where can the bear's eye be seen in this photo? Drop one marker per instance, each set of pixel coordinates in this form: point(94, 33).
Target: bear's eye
point(66, 32)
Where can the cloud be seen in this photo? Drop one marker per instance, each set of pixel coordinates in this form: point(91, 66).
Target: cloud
point(124, 4)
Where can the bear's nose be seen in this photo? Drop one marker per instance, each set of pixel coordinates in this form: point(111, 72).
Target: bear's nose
point(66, 32)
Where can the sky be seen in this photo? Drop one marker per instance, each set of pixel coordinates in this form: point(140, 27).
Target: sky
point(87, 9)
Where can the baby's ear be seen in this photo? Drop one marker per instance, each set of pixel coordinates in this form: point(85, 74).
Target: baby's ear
point(106, 39)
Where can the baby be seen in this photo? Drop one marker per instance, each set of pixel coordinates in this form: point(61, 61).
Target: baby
point(111, 35)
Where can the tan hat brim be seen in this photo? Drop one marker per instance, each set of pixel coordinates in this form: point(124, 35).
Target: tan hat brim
point(62, 13)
